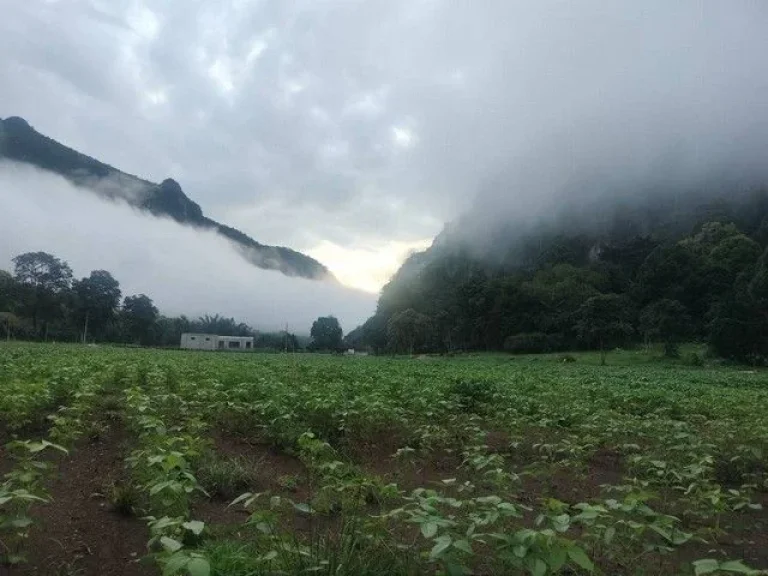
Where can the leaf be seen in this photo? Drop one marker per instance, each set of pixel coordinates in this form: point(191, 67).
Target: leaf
point(679, 537)
point(22, 522)
point(580, 558)
point(170, 544)
point(562, 522)
point(520, 551)
point(303, 507)
point(441, 545)
point(429, 529)
point(537, 567)
point(609, 534)
point(241, 498)
point(661, 532)
point(737, 566)
point(199, 567)
point(705, 566)
point(463, 545)
point(557, 558)
point(194, 526)
point(159, 487)
point(455, 569)
point(174, 564)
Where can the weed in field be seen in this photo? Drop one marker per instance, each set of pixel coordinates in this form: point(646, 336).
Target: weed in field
point(226, 477)
point(288, 482)
point(125, 498)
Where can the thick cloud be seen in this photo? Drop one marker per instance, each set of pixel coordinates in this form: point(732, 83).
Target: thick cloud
point(185, 271)
point(309, 122)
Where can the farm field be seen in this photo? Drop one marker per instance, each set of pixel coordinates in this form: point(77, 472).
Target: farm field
point(140, 462)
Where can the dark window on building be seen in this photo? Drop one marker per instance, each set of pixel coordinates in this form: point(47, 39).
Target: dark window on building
point(221, 343)
point(207, 339)
point(191, 337)
point(247, 344)
point(234, 344)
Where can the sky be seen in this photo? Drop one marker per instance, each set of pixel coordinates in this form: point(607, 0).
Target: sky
point(354, 130)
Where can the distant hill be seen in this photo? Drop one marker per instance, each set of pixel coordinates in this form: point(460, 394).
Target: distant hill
point(22, 143)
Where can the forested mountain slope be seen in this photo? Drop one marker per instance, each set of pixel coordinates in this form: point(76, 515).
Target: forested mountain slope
point(663, 267)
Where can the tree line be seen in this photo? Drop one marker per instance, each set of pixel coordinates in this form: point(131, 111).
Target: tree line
point(586, 292)
point(41, 300)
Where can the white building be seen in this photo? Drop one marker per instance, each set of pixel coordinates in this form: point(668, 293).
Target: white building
point(191, 341)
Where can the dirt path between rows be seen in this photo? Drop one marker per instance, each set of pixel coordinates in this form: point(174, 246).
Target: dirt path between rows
point(78, 534)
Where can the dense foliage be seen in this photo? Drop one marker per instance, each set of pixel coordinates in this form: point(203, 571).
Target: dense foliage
point(700, 273)
point(326, 333)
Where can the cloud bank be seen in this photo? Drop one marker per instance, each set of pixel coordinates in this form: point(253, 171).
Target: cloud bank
point(185, 271)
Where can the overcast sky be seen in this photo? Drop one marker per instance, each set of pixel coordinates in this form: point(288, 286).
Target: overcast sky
point(352, 130)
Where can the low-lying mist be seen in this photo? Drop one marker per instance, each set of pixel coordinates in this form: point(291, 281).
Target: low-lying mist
point(184, 270)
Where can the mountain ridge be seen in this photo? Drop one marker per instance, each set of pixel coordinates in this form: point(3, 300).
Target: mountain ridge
point(20, 142)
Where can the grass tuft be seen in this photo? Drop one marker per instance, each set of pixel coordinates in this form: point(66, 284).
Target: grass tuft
point(226, 477)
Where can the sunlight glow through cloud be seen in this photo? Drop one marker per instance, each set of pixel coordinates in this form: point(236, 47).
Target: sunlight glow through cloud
point(367, 268)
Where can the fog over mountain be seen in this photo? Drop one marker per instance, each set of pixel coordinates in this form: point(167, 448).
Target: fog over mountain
point(184, 270)
point(334, 125)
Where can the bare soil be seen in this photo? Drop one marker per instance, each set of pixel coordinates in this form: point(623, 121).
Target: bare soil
point(78, 533)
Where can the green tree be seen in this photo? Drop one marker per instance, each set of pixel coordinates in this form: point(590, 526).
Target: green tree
point(561, 290)
point(140, 316)
point(8, 292)
point(666, 320)
point(222, 326)
point(169, 330)
point(9, 322)
point(739, 330)
point(326, 333)
point(710, 236)
point(735, 254)
point(374, 332)
point(739, 327)
point(97, 298)
point(758, 286)
point(45, 281)
point(679, 273)
point(408, 330)
point(603, 320)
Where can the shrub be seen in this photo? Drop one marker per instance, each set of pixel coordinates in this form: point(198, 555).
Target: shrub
point(124, 498)
point(532, 343)
point(472, 394)
point(694, 359)
point(671, 349)
point(226, 477)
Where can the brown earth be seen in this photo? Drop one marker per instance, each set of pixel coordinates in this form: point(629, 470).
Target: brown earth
point(78, 533)
point(271, 469)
